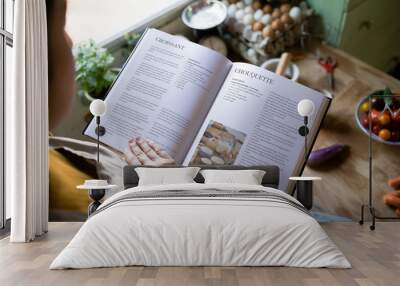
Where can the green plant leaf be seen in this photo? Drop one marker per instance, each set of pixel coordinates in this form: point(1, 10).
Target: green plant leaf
point(93, 65)
point(387, 96)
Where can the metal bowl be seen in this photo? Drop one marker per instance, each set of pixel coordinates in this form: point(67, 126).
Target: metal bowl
point(366, 131)
point(204, 14)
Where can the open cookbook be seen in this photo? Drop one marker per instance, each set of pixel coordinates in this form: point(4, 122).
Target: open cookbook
point(204, 109)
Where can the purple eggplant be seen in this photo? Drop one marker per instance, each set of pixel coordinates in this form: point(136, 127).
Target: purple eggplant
point(325, 155)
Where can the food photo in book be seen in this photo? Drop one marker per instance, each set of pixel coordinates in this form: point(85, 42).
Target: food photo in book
point(219, 145)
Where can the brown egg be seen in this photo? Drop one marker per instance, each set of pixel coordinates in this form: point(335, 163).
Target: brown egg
point(285, 19)
point(277, 25)
point(258, 26)
point(285, 8)
point(257, 5)
point(268, 32)
point(233, 1)
point(267, 9)
point(276, 13)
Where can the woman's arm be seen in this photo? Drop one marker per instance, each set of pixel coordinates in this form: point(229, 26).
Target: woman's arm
point(61, 63)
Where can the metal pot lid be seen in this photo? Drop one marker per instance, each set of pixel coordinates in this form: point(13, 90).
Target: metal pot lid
point(204, 14)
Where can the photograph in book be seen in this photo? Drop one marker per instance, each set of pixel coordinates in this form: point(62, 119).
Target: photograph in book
point(219, 145)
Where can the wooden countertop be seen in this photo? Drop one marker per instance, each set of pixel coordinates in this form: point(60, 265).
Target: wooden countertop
point(345, 187)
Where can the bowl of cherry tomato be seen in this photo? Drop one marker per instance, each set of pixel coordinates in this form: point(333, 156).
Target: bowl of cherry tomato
point(382, 113)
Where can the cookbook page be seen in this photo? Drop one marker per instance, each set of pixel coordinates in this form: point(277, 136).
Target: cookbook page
point(163, 93)
point(254, 121)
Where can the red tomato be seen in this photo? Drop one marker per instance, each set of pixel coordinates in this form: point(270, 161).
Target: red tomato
point(396, 117)
point(376, 129)
point(395, 136)
point(395, 104)
point(375, 115)
point(364, 121)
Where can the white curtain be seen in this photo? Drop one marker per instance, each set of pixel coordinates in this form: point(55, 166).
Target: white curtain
point(27, 123)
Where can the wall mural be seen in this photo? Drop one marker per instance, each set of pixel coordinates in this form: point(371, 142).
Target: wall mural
point(170, 101)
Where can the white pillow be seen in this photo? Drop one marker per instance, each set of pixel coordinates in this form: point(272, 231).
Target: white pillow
point(248, 177)
point(164, 176)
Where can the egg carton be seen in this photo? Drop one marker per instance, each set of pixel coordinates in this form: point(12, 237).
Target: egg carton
point(259, 32)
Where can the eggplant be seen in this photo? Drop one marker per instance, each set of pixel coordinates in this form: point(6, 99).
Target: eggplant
point(324, 155)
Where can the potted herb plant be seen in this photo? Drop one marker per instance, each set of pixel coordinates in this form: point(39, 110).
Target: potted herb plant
point(93, 71)
point(131, 40)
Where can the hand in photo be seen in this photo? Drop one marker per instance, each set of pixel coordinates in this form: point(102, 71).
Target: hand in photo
point(145, 152)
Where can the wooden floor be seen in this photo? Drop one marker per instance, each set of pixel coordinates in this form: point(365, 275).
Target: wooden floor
point(375, 257)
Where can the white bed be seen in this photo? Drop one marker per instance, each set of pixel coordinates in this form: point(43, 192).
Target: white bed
point(245, 225)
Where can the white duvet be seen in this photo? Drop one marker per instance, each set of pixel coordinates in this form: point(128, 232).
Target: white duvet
point(200, 231)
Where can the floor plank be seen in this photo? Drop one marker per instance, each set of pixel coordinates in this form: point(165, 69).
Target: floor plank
point(375, 257)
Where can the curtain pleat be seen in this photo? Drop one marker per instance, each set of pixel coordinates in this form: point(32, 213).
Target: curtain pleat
point(15, 129)
point(27, 137)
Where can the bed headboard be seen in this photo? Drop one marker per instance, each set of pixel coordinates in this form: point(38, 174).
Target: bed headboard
point(271, 178)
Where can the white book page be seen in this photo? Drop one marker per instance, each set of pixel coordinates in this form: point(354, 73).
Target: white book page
point(254, 121)
point(163, 93)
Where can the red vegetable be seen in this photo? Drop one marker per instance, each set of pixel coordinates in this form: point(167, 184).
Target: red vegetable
point(323, 155)
point(376, 129)
point(365, 121)
point(396, 117)
point(392, 199)
point(375, 115)
point(394, 182)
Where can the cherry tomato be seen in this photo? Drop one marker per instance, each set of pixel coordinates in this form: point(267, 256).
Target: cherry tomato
point(375, 115)
point(384, 118)
point(395, 104)
point(385, 134)
point(365, 107)
point(364, 121)
point(395, 136)
point(376, 129)
point(396, 117)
